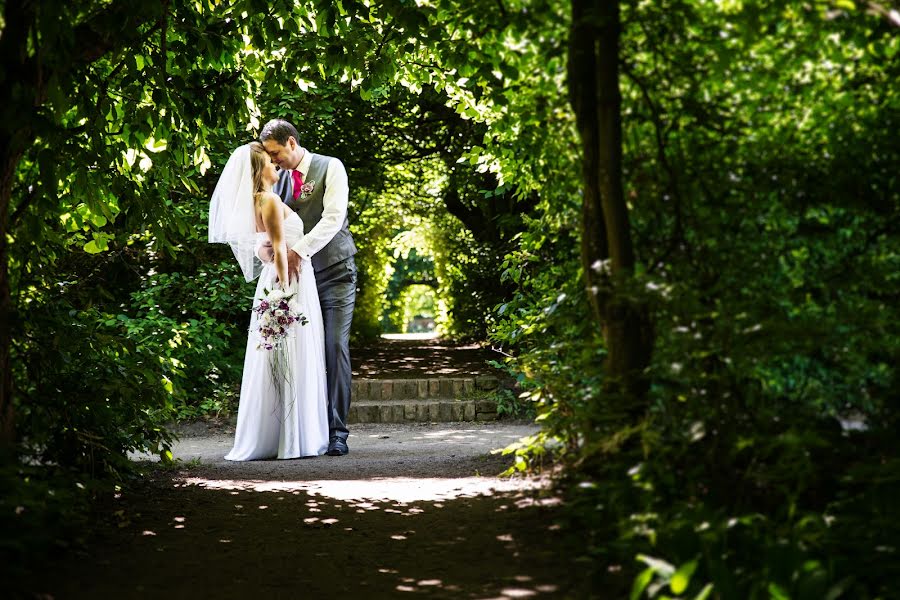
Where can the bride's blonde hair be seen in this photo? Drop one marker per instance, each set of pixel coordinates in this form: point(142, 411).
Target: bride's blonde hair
point(258, 158)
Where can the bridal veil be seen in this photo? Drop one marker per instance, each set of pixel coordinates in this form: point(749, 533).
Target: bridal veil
point(231, 213)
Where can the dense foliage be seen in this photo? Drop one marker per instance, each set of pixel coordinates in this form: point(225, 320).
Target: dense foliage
point(759, 167)
point(765, 218)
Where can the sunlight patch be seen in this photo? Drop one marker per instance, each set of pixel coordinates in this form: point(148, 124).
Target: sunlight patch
point(394, 489)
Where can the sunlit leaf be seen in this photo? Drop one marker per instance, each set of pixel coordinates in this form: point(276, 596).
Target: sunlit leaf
point(777, 592)
point(641, 582)
point(682, 577)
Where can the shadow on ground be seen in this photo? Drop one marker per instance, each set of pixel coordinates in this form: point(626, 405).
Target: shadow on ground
point(192, 537)
point(438, 523)
point(414, 357)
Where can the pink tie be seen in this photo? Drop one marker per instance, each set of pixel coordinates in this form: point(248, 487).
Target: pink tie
point(298, 182)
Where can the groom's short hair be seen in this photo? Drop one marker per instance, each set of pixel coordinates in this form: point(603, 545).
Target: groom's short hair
point(278, 130)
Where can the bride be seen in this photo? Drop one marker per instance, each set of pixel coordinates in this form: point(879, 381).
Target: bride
point(281, 414)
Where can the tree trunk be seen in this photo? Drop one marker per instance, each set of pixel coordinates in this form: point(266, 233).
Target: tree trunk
point(13, 139)
point(582, 67)
point(9, 158)
point(596, 99)
point(609, 142)
point(12, 58)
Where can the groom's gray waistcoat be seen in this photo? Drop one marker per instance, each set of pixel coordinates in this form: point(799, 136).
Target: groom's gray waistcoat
point(310, 210)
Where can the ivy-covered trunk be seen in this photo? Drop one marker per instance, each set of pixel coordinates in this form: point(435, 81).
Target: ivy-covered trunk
point(607, 252)
point(7, 423)
point(13, 88)
point(8, 162)
point(582, 69)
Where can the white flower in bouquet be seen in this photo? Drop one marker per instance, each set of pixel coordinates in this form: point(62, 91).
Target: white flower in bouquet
point(276, 294)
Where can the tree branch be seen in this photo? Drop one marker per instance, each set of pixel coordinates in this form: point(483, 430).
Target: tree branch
point(672, 187)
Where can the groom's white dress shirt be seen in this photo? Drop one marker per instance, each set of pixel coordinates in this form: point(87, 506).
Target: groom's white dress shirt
point(336, 199)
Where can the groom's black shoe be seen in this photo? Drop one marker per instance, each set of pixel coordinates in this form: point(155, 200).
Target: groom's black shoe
point(337, 446)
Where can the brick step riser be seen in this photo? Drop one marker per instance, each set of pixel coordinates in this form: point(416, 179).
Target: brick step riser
point(422, 411)
point(420, 389)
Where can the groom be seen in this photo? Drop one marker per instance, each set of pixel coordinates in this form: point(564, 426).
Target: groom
point(315, 187)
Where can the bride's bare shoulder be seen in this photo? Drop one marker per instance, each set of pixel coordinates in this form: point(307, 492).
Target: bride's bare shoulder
point(263, 198)
point(269, 207)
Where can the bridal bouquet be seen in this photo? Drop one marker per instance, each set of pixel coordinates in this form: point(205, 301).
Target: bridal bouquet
point(277, 317)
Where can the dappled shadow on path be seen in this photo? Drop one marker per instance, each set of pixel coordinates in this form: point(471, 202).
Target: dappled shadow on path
point(198, 536)
point(412, 511)
point(410, 358)
point(377, 452)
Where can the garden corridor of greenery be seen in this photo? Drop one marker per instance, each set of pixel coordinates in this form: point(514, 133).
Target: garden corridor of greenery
point(678, 217)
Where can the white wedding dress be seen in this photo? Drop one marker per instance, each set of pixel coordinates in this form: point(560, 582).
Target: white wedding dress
point(277, 418)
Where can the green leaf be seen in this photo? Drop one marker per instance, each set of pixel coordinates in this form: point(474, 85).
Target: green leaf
point(682, 577)
point(154, 145)
point(640, 583)
point(777, 592)
point(93, 247)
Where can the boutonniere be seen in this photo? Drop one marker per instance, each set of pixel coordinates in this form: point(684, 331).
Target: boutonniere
point(307, 189)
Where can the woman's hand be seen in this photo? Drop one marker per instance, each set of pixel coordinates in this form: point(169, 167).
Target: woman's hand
point(294, 264)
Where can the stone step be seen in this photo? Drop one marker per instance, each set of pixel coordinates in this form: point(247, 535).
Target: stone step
point(423, 399)
point(423, 388)
point(422, 411)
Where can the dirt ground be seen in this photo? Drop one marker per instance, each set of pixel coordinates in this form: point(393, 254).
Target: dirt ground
point(411, 357)
point(412, 511)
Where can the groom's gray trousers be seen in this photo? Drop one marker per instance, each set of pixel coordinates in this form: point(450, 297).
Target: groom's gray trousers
point(336, 282)
point(337, 295)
